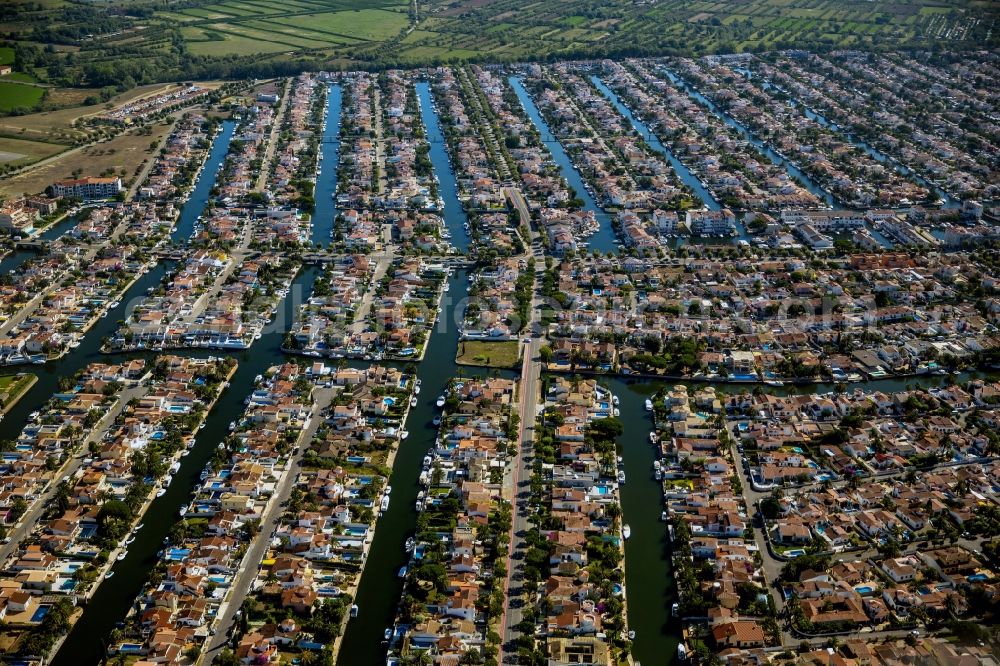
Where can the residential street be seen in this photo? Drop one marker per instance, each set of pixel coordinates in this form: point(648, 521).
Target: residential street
point(269, 520)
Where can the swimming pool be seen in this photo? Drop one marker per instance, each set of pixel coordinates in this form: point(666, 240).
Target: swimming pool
point(864, 589)
point(388, 401)
point(40, 613)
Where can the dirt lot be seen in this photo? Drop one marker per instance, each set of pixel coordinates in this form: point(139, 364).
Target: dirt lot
point(123, 153)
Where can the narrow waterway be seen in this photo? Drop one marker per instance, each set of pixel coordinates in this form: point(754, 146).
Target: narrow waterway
point(195, 205)
point(17, 257)
point(57, 229)
point(87, 642)
point(379, 589)
point(604, 238)
point(654, 142)
point(949, 201)
point(326, 175)
point(454, 213)
point(762, 148)
point(88, 352)
point(766, 150)
point(649, 579)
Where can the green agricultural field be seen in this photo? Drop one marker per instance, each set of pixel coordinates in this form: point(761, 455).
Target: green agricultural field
point(261, 38)
point(17, 95)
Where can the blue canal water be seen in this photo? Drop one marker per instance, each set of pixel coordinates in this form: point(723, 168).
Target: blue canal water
point(775, 158)
point(950, 201)
point(195, 205)
point(682, 171)
point(454, 213)
point(604, 238)
point(379, 589)
point(326, 175)
point(761, 147)
point(639, 126)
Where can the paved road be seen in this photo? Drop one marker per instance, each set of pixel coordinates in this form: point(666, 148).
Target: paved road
point(531, 369)
point(30, 518)
point(151, 160)
point(269, 522)
point(265, 169)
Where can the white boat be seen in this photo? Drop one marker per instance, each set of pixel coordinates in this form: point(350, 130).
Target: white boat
point(626, 531)
point(354, 610)
point(232, 425)
point(122, 555)
point(653, 437)
point(682, 653)
point(649, 405)
point(675, 609)
point(631, 634)
point(437, 420)
point(109, 575)
point(167, 480)
point(384, 505)
point(388, 490)
point(115, 304)
point(419, 506)
point(621, 477)
point(663, 516)
point(410, 544)
point(614, 400)
point(388, 632)
point(441, 400)
point(403, 434)
point(416, 390)
point(128, 541)
point(413, 401)
point(161, 492)
point(183, 511)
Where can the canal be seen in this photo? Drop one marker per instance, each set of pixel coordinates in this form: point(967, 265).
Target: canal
point(379, 589)
point(790, 168)
point(195, 205)
point(604, 238)
point(326, 175)
point(454, 214)
point(87, 642)
point(874, 153)
point(649, 579)
point(17, 257)
point(654, 142)
point(88, 352)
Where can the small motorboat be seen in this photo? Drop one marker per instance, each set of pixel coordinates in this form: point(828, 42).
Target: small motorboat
point(410, 544)
point(401, 574)
point(122, 555)
point(626, 531)
point(384, 505)
point(354, 610)
point(109, 575)
point(441, 400)
point(631, 634)
point(663, 516)
point(649, 405)
point(183, 511)
point(413, 401)
point(403, 434)
point(161, 492)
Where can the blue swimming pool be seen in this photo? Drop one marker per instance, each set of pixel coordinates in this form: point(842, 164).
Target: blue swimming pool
point(864, 589)
point(388, 401)
point(40, 613)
